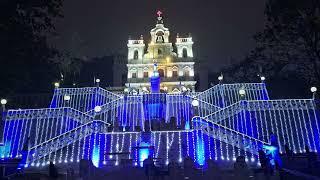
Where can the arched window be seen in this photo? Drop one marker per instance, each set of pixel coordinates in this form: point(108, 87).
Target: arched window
point(174, 72)
point(136, 54)
point(145, 74)
point(159, 52)
point(159, 38)
point(186, 72)
point(184, 53)
point(161, 72)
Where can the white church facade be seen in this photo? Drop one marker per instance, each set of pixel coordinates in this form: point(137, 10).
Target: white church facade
point(176, 69)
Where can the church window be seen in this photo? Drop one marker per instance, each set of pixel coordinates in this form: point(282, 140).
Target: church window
point(174, 73)
point(145, 74)
point(136, 54)
point(159, 38)
point(161, 72)
point(184, 53)
point(134, 75)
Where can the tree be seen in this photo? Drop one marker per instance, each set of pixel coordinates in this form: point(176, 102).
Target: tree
point(289, 46)
point(25, 53)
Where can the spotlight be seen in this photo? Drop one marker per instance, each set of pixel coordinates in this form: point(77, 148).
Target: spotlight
point(144, 89)
point(180, 160)
point(104, 162)
point(184, 89)
point(252, 159)
point(312, 89)
point(97, 80)
point(97, 109)
point(3, 101)
point(262, 78)
point(168, 59)
point(117, 163)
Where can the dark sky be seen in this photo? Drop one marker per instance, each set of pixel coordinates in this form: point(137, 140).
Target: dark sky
point(221, 29)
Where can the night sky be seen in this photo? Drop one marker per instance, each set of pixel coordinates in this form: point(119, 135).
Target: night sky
point(222, 29)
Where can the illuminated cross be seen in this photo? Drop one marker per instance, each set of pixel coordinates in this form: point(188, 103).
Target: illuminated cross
point(159, 13)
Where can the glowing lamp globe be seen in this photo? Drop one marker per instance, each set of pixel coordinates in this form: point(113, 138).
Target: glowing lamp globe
point(97, 109)
point(56, 84)
point(220, 78)
point(66, 97)
point(262, 78)
point(313, 89)
point(242, 92)
point(195, 103)
point(97, 80)
point(3, 101)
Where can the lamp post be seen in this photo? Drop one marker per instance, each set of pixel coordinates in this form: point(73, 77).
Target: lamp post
point(56, 85)
point(97, 82)
point(3, 104)
point(220, 78)
point(242, 93)
point(314, 91)
point(67, 98)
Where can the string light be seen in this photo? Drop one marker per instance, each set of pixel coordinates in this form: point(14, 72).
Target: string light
point(290, 120)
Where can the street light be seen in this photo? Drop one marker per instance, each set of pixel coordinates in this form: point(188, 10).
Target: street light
point(220, 78)
point(97, 109)
point(3, 103)
point(314, 91)
point(262, 78)
point(195, 103)
point(97, 82)
point(242, 92)
point(66, 97)
point(56, 84)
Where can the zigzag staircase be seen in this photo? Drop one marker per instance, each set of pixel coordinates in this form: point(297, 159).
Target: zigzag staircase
point(229, 136)
point(43, 149)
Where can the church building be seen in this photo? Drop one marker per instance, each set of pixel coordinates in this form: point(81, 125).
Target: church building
point(176, 69)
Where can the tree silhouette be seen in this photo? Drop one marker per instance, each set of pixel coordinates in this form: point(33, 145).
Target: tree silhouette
point(24, 55)
point(289, 45)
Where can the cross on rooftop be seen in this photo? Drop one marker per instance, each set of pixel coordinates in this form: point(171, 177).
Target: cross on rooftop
point(159, 13)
